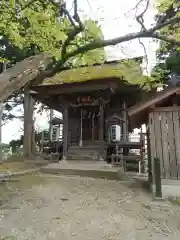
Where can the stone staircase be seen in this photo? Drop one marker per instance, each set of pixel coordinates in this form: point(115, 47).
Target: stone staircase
point(88, 152)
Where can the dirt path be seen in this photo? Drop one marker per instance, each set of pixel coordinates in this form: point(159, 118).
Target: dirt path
point(83, 209)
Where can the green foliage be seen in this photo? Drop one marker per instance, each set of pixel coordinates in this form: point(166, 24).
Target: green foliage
point(168, 54)
point(175, 200)
point(38, 28)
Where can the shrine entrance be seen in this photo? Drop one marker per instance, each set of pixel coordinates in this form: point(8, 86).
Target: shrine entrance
point(90, 123)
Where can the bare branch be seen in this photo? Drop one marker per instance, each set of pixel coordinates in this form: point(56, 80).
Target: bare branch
point(134, 8)
point(76, 15)
point(146, 55)
point(71, 36)
point(140, 17)
point(111, 42)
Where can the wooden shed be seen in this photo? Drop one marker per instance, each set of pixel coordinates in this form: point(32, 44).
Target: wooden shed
point(161, 114)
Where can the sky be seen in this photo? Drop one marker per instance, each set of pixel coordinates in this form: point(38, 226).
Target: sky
point(116, 18)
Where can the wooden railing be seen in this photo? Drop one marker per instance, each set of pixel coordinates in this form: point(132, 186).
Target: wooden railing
point(123, 154)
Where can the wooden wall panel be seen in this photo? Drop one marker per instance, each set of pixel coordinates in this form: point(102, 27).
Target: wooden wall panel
point(176, 120)
point(152, 140)
point(165, 146)
point(171, 147)
point(164, 128)
point(158, 139)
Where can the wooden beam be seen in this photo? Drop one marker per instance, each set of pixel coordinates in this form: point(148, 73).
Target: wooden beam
point(167, 109)
point(159, 96)
point(101, 132)
point(65, 132)
point(70, 88)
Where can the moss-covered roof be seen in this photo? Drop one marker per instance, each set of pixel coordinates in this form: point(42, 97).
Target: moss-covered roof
point(129, 70)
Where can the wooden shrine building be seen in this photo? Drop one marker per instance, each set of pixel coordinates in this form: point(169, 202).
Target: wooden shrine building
point(92, 100)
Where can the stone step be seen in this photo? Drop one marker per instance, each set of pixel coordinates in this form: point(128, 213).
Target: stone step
point(80, 158)
point(85, 147)
point(83, 154)
point(85, 171)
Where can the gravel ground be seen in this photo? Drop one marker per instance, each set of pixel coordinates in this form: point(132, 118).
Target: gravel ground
point(83, 209)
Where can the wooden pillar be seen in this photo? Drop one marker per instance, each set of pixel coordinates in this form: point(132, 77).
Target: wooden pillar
point(81, 129)
point(28, 123)
point(157, 173)
point(50, 124)
point(125, 122)
point(101, 132)
point(125, 132)
point(65, 133)
point(93, 137)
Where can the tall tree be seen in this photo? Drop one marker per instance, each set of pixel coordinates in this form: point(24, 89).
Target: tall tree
point(168, 53)
point(27, 30)
point(53, 37)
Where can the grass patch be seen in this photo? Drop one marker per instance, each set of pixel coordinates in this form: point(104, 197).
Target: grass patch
point(11, 189)
point(175, 200)
point(8, 238)
point(9, 167)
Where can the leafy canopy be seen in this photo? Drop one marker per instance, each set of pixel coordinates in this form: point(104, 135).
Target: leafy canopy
point(37, 28)
point(168, 54)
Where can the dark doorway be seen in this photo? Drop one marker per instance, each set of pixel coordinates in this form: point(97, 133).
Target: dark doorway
point(90, 123)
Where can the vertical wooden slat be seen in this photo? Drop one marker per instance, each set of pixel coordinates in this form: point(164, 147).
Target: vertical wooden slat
point(152, 143)
point(177, 140)
point(165, 151)
point(172, 150)
point(158, 136)
point(149, 155)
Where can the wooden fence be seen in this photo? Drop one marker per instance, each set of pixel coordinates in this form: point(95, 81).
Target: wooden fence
point(164, 129)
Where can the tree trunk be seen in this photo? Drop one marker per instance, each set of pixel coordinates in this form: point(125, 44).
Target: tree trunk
point(28, 125)
point(22, 73)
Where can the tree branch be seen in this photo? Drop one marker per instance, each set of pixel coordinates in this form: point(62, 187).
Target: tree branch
point(171, 21)
point(140, 18)
point(165, 38)
point(72, 34)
